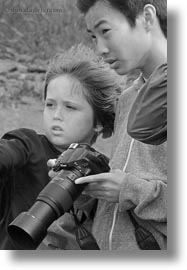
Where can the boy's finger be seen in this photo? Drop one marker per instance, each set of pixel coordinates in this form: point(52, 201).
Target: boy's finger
point(90, 178)
point(82, 180)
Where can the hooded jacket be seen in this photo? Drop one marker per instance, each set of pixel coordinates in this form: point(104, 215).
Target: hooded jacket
point(147, 121)
point(143, 191)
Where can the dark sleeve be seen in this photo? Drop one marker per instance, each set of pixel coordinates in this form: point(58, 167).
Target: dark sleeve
point(16, 148)
point(147, 120)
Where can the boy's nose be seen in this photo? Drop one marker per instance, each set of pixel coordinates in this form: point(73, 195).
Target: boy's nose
point(102, 49)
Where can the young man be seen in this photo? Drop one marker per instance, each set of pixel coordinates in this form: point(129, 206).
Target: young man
point(130, 34)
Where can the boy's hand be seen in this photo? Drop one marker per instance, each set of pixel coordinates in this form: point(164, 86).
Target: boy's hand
point(104, 186)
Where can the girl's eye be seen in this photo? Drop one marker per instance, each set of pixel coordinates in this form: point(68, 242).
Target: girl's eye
point(49, 104)
point(70, 107)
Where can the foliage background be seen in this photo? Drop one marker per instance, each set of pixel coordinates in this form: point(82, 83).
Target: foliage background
point(39, 28)
point(31, 32)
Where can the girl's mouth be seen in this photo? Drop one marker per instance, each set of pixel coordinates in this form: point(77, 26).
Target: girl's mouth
point(57, 128)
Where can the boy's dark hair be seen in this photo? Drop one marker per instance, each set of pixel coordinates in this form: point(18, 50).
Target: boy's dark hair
point(131, 9)
point(100, 84)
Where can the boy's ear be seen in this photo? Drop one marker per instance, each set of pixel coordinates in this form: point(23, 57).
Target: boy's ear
point(149, 16)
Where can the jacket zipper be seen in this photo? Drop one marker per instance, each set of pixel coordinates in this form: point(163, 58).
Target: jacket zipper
point(117, 204)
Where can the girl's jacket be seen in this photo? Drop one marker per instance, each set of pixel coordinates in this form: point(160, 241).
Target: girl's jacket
point(23, 174)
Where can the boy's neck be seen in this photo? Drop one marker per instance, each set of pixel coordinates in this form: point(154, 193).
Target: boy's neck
point(157, 57)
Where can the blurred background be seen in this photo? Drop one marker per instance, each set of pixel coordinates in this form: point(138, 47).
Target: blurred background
point(31, 32)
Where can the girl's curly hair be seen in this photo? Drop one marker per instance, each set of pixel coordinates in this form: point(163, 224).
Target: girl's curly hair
point(100, 84)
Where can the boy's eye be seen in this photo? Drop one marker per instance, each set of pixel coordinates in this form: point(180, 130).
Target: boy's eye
point(93, 37)
point(104, 31)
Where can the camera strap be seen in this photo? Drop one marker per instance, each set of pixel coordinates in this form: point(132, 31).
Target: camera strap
point(84, 238)
point(144, 238)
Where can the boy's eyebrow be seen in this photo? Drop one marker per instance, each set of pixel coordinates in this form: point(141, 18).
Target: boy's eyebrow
point(97, 25)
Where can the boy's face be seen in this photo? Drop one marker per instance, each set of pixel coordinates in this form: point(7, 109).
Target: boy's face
point(68, 117)
point(124, 47)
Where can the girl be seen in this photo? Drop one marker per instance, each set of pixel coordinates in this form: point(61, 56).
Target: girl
point(79, 95)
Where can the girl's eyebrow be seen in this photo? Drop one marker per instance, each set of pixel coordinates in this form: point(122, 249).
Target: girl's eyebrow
point(65, 102)
point(49, 99)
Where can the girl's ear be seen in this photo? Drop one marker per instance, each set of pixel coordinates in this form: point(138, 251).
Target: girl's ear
point(98, 128)
point(149, 13)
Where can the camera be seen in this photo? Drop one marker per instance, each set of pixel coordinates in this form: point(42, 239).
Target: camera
point(29, 228)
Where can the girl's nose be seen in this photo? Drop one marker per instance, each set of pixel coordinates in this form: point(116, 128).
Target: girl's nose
point(58, 114)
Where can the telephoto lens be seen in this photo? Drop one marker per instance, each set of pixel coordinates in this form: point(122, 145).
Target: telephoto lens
point(79, 160)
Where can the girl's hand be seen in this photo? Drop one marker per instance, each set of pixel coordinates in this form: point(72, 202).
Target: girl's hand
point(51, 163)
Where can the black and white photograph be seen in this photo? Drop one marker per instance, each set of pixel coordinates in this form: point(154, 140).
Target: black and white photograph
point(85, 172)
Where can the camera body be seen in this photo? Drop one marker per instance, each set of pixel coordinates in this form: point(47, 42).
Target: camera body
point(79, 160)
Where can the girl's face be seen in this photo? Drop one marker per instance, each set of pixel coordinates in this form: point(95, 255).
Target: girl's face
point(124, 47)
point(68, 117)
